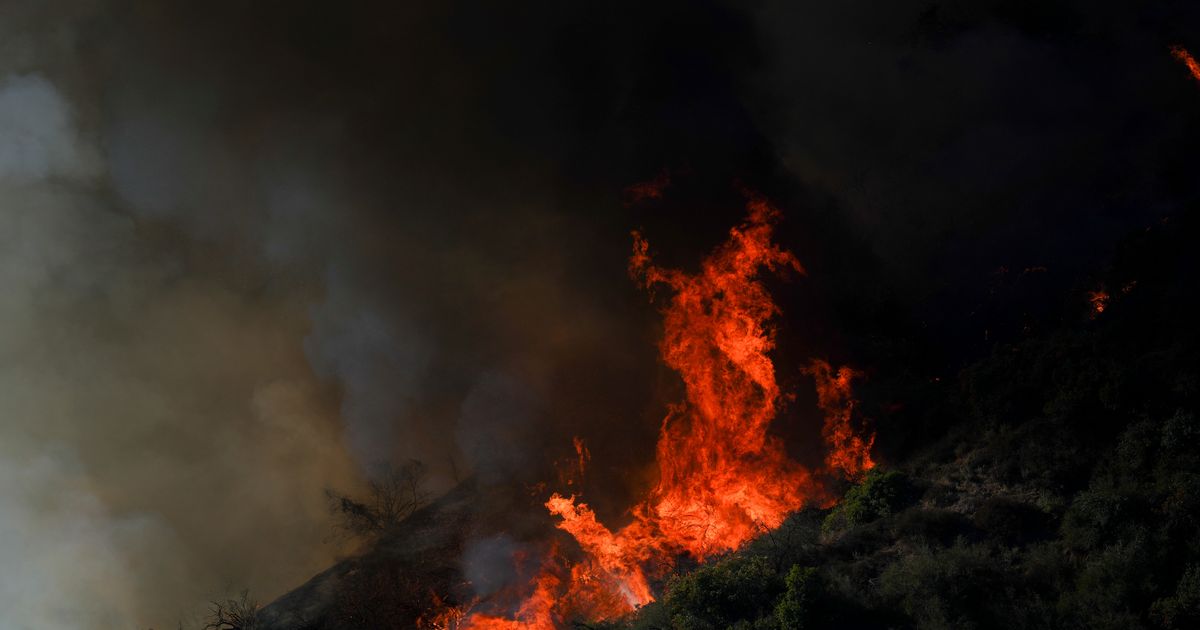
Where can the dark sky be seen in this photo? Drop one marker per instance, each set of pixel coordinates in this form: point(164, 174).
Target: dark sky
point(257, 248)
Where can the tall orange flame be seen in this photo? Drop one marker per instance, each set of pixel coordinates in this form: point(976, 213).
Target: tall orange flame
point(722, 477)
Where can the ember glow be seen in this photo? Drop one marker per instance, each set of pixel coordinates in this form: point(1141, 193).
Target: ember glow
point(722, 478)
point(572, 470)
point(1183, 55)
point(1099, 300)
point(652, 189)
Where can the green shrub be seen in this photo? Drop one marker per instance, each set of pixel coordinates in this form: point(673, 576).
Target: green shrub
point(879, 494)
point(1181, 610)
point(1180, 432)
point(1011, 521)
point(721, 594)
point(1098, 515)
point(795, 541)
point(1112, 587)
point(794, 609)
point(931, 526)
point(959, 587)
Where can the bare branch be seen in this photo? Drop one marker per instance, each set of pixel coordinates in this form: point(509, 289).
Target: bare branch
point(240, 613)
point(391, 498)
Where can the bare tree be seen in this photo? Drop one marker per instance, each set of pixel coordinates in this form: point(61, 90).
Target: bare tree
point(240, 613)
point(391, 497)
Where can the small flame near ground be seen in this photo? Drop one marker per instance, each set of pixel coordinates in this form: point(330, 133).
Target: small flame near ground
point(1099, 300)
point(722, 477)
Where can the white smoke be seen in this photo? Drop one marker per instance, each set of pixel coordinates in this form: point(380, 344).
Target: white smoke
point(36, 138)
point(153, 416)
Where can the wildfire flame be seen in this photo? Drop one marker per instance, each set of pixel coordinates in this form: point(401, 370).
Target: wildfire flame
point(1181, 53)
point(535, 611)
point(722, 477)
point(848, 452)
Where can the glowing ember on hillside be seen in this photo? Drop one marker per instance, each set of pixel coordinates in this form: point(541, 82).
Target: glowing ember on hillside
point(722, 477)
point(443, 617)
point(572, 470)
point(582, 452)
point(1099, 300)
point(652, 189)
point(1183, 55)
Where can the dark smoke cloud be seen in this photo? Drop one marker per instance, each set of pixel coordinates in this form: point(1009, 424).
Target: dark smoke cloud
point(257, 249)
point(970, 141)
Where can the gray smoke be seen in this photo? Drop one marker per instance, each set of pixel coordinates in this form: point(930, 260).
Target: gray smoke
point(154, 413)
point(210, 313)
point(489, 564)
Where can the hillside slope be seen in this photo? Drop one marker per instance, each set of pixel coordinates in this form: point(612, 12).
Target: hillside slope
point(1053, 484)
